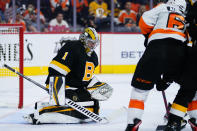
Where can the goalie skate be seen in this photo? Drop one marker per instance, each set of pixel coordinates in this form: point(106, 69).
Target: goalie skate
point(30, 119)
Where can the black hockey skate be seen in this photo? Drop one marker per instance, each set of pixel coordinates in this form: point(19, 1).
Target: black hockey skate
point(135, 126)
point(173, 127)
point(163, 127)
point(193, 124)
point(175, 123)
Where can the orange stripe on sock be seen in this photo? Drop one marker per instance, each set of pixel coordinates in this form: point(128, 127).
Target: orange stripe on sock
point(192, 106)
point(136, 104)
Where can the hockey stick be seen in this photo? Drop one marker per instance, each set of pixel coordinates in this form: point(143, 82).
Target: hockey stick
point(27, 78)
point(165, 103)
point(162, 127)
point(69, 102)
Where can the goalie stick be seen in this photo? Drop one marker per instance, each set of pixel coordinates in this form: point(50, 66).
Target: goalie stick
point(69, 102)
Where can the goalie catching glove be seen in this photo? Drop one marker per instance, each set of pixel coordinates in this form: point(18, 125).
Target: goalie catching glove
point(100, 91)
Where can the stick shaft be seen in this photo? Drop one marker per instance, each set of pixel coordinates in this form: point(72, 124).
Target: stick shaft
point(27, 78)
point(165, 102)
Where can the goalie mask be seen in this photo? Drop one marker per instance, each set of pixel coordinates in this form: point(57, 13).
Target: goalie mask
point(89, 38)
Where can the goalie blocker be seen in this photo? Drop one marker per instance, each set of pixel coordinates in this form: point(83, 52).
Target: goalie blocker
point(56, 111)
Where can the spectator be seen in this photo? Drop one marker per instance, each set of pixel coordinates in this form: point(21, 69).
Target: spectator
point(44, 8)
point(31, 9)
point(81, 4)
point(127, 20)
point(127, 14)
point(19, 20)
point(91, 22)
point(122, 3)
point(82, 11)
point(61, 6)
point(8, 13)
point(99, 9)
point(32, 24)
point(142, 9)
point(3, 5)
point(58, 24)
point(135, 5)
point(117, 7)
point(23, 3)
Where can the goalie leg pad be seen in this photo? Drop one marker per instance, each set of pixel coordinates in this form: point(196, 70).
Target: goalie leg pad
point(57, 90)
point(57, 118)
point(62, 114)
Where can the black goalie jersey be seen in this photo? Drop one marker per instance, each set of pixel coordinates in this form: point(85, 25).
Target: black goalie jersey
point(73, 62)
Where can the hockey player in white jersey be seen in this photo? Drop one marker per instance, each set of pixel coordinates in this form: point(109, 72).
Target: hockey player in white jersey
point(164, 28)
point(188, 80)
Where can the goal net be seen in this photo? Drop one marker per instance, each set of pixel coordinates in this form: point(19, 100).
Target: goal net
point(11, 53)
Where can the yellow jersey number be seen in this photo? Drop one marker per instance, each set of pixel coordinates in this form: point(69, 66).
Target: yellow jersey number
point(65, 55)
point(89, 70)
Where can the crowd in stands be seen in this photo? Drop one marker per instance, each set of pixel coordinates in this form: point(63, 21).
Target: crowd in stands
point(57, 15)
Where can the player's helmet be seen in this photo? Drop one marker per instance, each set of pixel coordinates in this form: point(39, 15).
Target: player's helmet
point(89, 35)
point(181, 3)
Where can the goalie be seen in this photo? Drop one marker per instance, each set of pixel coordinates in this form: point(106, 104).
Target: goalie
point(71, 75)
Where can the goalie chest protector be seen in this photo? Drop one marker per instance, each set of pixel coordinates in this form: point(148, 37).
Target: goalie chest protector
point(73, 59)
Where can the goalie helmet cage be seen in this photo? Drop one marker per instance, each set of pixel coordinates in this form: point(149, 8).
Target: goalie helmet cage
point(12, 34)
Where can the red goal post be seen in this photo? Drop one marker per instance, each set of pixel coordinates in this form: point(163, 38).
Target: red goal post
point(13, 34)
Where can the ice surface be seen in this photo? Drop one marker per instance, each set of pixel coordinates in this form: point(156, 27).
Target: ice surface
point(11, 118)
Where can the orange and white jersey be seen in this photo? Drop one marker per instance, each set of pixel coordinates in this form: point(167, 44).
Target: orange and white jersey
point(124, 16)
point(163, 21)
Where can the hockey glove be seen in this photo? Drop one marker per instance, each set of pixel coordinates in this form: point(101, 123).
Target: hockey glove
point(100, 91)
point(163, 83)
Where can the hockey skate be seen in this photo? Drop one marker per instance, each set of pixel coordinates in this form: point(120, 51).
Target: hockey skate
point(175, 123)
point(173, 127)
point(163, 127)
point(135, 126)
point(30, 119)
point(193, 124)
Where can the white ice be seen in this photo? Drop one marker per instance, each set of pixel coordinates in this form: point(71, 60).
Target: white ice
point(11, 118)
